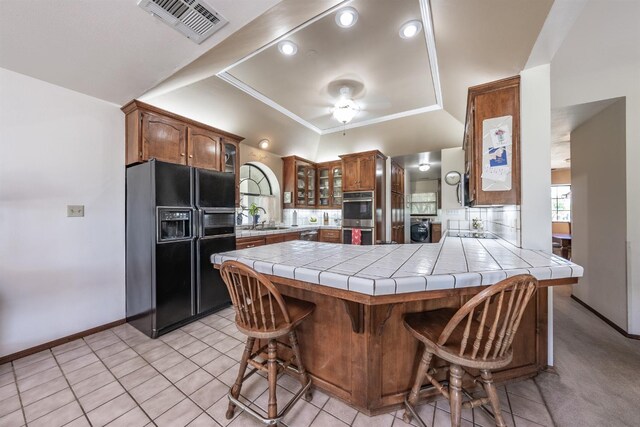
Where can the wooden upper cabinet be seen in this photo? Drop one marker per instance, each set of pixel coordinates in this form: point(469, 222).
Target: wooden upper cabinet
point(329, 185)
point(155, 133)
point(488, 101)
point(367, 173)
point(164, 139)
point(350, 174)
point(205, 148)
point(359, 170)
point(299, 176)
point(397, 178)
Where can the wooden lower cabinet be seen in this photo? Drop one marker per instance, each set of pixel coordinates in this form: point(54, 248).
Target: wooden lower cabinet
point(330, 236)
point(250, 242)
point(269, 239)
point(436, 233)
point(291, 236)
point(273, 238)
point(364, 355)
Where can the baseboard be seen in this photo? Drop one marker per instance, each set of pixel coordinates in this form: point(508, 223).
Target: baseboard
point(59, 341)
point(605, 320)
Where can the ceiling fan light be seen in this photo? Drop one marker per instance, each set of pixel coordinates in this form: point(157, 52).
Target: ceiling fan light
point(424, 167)
point(345, 110)
point(346, 17)
point(410, 29)
point(287, 47)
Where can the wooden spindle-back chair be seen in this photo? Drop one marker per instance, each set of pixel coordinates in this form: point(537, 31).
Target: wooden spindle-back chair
point(263, 313)
point(479, 335)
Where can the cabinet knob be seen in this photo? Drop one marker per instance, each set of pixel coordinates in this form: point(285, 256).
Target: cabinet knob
point(191, 156)
point(182, 154)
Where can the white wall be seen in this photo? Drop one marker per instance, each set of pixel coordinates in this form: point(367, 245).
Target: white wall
point(599, 222)
point(535, 172)
point(600, 59)
point(452, 160)
point(58, 275)
point(535, 143)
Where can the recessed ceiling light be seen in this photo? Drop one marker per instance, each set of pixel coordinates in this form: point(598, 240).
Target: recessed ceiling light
point(287, 47)
point(264, 144)
point(346, 17)
point(410, 29)
point(424, 167)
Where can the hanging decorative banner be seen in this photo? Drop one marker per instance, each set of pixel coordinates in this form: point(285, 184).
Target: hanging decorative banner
point(497, 153)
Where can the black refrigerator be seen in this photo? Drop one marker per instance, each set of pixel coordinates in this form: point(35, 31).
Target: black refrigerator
point(177, 217)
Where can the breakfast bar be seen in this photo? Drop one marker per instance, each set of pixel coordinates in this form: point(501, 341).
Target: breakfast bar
point(355, 345)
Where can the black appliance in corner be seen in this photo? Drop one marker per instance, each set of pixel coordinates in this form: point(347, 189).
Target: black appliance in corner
point(420, 230)
point(177, 217)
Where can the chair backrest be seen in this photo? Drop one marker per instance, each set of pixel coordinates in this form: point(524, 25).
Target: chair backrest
point(510, 298)
point(256, 300)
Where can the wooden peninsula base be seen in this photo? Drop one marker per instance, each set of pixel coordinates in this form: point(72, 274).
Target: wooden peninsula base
point(357, 349)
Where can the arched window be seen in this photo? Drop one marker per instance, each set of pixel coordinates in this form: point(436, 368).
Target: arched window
point(253, 181)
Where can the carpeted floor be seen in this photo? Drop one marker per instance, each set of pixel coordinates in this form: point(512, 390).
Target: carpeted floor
point(598, 370)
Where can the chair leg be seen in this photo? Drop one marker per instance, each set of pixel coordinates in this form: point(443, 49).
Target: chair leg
point(425, 361)
point(455, 394)
point(492, 393)
point(237, 386)
point(272, 364)
point(304, 377)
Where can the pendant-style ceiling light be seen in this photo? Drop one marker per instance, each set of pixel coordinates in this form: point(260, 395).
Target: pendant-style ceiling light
point(346, 108)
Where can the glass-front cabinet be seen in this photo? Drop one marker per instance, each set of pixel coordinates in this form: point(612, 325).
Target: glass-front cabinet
point(324, 187)
point(301, 185)
point(231, 163)
point(336, 186)
point(330, 185)
point(311, 185)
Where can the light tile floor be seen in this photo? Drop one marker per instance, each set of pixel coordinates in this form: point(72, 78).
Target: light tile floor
point(120, 377)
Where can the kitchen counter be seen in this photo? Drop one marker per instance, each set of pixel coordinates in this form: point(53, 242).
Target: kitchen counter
point(454, 262)
point(355, 345)
point(251, 233)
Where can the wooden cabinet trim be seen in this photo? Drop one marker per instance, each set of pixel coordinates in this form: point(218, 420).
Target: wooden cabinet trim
point(135, 104)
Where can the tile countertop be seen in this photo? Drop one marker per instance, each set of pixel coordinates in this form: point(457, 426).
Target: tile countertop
point(455, 262)
point(249, 233)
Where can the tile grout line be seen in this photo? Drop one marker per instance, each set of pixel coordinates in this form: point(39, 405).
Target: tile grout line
point(15, 379)
point(513, 417)
point(544, 401)
point(71, 389)
point(116, 379)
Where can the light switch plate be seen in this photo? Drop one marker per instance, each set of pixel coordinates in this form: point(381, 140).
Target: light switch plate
point(75, 210)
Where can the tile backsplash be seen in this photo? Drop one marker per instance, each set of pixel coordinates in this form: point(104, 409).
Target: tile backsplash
point(335, 216)
point(501, 220)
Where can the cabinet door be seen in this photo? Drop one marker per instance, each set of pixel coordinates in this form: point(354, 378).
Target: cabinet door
point(367, 173)
point(164, 139)
point(301, 185)
point(350, 180)
point(336, 186)
point(324, 187)
point(230, 163)
point(311, 186)
point(204, 149)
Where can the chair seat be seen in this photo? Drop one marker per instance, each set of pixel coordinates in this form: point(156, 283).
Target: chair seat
point(298, 311)
point(427, 326)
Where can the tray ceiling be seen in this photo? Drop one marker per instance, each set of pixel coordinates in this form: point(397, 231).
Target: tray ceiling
point(398, 78)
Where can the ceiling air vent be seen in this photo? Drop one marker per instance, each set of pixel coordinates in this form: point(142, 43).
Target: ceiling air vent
point(193, 18)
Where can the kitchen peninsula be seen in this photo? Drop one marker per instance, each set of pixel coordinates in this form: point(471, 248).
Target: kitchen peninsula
point(355, 346)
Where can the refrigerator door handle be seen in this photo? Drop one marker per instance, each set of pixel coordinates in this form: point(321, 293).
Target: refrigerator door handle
point(218, 236)
point(195, 275)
